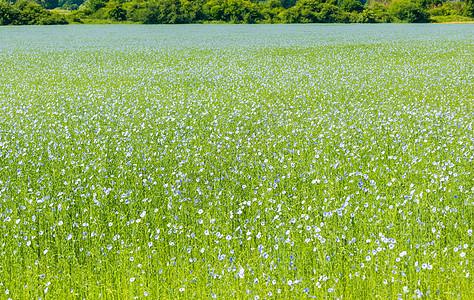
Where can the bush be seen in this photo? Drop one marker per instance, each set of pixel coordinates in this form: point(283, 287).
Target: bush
point(271, 10)
point(352, 6)
point(53, 19)
point(25, 12)
point(469, 10)
point(163, 12)
point(233, 11)
point(30, 12)
point(8, 14)
point(331, 14)
point(70, 4)
point(290, 15)
point(114, 10)
point(444, 10)
point(408, 12)
point(95, 5)
point(316, 11)
point(191, 11)
point(136, 11)
point(376, 14)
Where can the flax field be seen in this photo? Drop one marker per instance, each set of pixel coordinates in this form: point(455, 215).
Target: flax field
point(237, 162)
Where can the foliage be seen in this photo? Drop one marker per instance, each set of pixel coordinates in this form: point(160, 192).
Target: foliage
point(452, 19)
point(376, 14)
point(271, 11)
point(95, 5)
point(319, 11)
point(352, 6)
point(26, 12)
point(48, 4)
point(8, 13)
point(234, 11)
point(469, 8)
point(250, 11)
point(164, 12)
point(114, 10)
point(70, 4)
point(136, 11)
point(408, 12)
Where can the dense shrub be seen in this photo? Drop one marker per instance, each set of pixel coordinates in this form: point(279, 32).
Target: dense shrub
point(8, 14)
point(95, 5)
point(136, 11)
point(25, 12)
point(376, 14)
point(352, 6)
point(316, 11)
point(469, 10)
point(70, 4)
point(53, 19)
point(235, 11)
point(271, 10)
point(445, 10)
point(408, 12)
point(114, 10)
point(163, 12)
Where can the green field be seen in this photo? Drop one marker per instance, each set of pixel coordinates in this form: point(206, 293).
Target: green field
point(237, 162)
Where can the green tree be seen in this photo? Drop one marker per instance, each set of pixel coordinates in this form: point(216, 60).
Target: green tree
point(469, 8)
point(191, 11)
point(137, 11)
point(49, 4)
point(408, 12)
point(288, 3)
point(114, 10)
point(164, 12)
point(30, 12)
point(70, 4)
point(352, 6)
point(376, 14)
point(8, 14)
point(270, 11)
point(319, 11)
point(95, 5)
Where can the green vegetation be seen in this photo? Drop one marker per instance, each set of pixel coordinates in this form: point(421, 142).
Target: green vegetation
point(25, 12)
point(237, 11)
point(236, 162)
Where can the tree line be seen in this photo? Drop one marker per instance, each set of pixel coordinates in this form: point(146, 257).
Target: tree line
point(24, 12)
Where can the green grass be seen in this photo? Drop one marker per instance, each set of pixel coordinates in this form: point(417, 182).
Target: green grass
point(236, 161)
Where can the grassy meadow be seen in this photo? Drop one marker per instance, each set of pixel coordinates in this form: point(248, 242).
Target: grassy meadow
point(237, 162)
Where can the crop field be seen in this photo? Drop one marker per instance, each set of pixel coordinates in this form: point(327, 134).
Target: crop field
point(237, 162)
